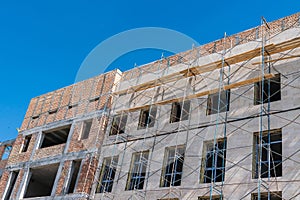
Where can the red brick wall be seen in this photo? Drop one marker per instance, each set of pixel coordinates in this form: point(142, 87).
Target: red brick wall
point(49, 151)
point(87, 175)
point(95, 136)
point(16, 156)
point(56, 105)
point(4, 179)
point(62, 178)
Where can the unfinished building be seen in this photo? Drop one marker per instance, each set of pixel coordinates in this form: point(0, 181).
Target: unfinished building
point(217, 122)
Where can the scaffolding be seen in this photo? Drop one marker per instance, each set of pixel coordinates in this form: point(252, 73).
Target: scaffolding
point(174, 80)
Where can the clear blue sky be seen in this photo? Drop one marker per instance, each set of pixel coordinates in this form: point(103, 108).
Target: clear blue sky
point(43, 43)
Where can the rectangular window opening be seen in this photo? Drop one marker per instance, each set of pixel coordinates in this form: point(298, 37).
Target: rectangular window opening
point(137, 173)
point(118, 124)
point(11, 184)
point(214, 197)
point(271, 154)
point(213, 161)
point(73, 176)
point(55, 136)
point(267, 90)
point(41, 181)
point(180, 111)
point(213, 104)
point(173, 165)
point(25, 144)
point(169, 199)
point(107, 174)
point(86, 128)
point(6, 153)
point(147, 117)
point(264, 196)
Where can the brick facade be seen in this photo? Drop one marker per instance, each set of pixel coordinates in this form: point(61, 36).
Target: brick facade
point(93, 101)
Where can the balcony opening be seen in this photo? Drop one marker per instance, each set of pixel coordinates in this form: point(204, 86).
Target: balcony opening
point(41, 181)
point(55, 136)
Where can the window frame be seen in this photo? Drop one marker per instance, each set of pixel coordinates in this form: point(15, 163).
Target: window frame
point(118, 124)
point(180, 111)
point(105, 183)
point(147, 117)
point(215, 151)
point(139, 163)
point(171, 159)
point(276, 82)
point(213, 99)
point(269, 143)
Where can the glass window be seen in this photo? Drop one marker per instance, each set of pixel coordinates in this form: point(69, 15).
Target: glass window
point(213, 162)
point(271, 153)
point(172, 168)
point(107, 174)
point(137, 173)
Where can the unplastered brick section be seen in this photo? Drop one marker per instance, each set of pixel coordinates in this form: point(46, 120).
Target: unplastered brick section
point(4, 179)
point(75, 100)
point(87, 176)
point(4, 154)
point(63, 177)
point(252, 34)
point(16, 156)
point(95, 137)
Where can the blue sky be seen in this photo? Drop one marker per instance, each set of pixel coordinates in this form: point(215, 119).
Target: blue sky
point(43, 43)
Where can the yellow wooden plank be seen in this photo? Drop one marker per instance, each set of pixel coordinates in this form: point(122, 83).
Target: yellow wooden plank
point(270, 49)
point(212, 91)
point(195, 70)
point(277, 59)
